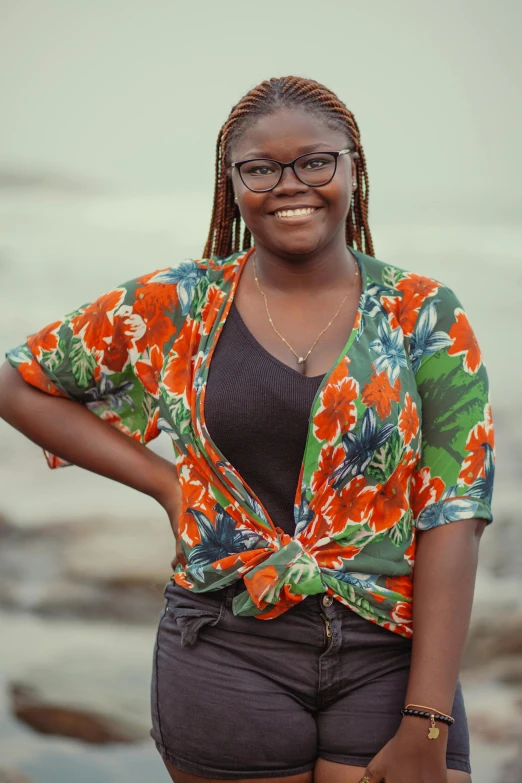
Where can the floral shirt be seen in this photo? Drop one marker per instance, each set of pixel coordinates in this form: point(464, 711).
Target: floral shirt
point(400, 435)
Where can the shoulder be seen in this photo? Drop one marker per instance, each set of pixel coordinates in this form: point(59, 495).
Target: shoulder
point(190, 270)
point(406, 295)
point(183, 284)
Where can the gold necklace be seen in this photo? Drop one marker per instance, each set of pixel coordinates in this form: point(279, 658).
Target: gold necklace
point(300, 359)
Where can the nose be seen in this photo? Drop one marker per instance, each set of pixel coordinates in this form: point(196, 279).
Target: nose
point(289, 184)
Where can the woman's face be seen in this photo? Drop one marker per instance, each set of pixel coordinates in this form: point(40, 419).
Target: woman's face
point(283, 136)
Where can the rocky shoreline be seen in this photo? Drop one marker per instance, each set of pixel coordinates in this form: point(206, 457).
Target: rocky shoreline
point(79, 606)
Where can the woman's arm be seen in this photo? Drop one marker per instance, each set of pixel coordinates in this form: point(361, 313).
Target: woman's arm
point(443, 586)
point(69, 430)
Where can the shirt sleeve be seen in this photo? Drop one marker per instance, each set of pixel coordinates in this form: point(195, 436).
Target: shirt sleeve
point(107, 355)
point(454, 478)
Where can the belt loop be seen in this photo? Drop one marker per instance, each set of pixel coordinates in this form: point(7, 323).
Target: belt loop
point(231, 591)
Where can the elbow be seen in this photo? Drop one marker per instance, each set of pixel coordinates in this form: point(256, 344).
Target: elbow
point(11, 382)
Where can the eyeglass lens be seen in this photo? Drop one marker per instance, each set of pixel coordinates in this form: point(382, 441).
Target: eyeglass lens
point(314, 169)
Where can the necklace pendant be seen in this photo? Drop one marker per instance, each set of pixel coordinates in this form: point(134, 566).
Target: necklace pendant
point(301, 360)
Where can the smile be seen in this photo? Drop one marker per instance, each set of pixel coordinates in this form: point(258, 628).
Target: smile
point(289, 214)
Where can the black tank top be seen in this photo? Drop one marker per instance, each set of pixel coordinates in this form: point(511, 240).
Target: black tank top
point(257, 411)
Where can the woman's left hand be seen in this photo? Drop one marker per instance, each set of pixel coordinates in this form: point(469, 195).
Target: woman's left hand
point(410, 757)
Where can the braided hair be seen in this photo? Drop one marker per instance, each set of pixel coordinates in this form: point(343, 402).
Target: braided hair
point(224, 237)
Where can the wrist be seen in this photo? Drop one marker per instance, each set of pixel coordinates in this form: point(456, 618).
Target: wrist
point(417, 729)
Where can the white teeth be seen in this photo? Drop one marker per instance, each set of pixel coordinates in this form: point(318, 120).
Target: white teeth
point(292, 212)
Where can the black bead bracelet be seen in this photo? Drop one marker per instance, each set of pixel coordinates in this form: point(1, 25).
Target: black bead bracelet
point(420, 714)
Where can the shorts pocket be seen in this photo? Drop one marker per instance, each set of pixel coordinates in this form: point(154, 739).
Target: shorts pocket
point(190, 620)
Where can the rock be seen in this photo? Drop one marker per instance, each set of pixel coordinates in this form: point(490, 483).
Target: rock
point(492, 711)
point(512, 772)
point(13, 776)
point(508, 670)
point(98, 695)
point(495, 728)
point(101, 569)
point(496, 636)
point(120, 552)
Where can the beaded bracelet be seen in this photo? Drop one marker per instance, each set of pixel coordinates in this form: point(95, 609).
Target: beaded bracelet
point(433, 715)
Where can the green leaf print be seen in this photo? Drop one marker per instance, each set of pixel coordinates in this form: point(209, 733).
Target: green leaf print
point(180, 416)
point(199, 298)
point(82, 364)
point(386, 458)
point(391, 276)
point(399, 532)
point(346, 537)
point(52, 359)
point(220, 498)
point(453, 401)
point(363, 603)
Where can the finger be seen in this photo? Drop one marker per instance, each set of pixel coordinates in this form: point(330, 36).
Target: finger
point(372, 777)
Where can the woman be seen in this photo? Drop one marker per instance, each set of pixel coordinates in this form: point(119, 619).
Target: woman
point(356, 382)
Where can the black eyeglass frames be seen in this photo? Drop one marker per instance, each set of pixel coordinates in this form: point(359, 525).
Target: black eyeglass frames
point(314, 169)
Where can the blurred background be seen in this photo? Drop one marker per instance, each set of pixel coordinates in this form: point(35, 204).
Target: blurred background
point(109, 114)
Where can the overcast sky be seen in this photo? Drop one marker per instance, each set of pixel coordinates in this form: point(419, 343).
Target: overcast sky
point(131, 93)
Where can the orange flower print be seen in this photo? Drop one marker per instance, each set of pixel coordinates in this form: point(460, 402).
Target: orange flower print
point(391, 499)
point(418, 284)
point(403, 310)
point(192, 491)
point(408, 419)
point(465, 343)
point(149, 372)
point(479, 440)
point(116, 353)
point(45, 340)
point(337, 413)
point(402, 613)
point(179, 367)
point(211, 309)
point(400, 584)
point(154, 304)
point(95, 323)
point(425, 490)
point(152, 430)
point(261, 582)
point(55, 462)
point(329, 459)
point(350, 504)
point(32, 373)
point(379, 392)
point(112, 418)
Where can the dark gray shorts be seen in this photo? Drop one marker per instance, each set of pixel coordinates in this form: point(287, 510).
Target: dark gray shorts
point(237, 697)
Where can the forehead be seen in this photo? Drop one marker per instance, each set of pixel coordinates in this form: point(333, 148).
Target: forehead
point(285, 134)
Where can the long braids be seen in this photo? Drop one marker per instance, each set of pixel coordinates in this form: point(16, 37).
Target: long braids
point(224, 236)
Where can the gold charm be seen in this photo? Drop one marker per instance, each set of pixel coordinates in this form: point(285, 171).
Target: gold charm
point(434, 732)
point(300, 360)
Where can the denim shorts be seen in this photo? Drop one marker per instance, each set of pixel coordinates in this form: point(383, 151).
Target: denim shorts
point(237, 697)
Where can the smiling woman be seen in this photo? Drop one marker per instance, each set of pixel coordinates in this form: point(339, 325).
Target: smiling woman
point(333, 436)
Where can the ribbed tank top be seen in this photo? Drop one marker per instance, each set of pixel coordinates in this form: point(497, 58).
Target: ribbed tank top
point(257, 411)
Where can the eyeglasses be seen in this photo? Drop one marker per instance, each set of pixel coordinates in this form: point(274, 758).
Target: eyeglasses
point(313, 169)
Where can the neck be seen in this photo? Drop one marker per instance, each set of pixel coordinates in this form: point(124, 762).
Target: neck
point(321, 269)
